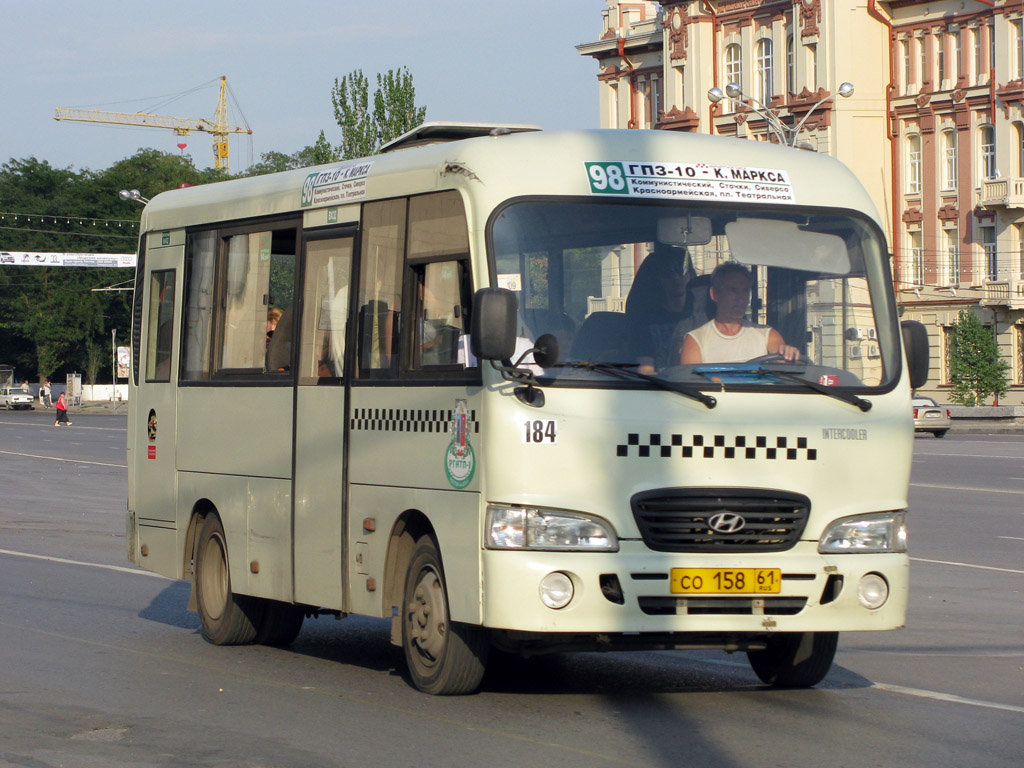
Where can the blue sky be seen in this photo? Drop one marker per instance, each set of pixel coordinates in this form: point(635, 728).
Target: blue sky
point(471, 60)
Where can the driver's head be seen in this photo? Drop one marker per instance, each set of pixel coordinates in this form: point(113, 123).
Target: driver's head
point(730, 289)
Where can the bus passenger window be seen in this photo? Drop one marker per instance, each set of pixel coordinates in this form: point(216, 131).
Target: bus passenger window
point(159, 323)
point(256, 285)
point(326, 303)
point(441, 328)
point(380, 287)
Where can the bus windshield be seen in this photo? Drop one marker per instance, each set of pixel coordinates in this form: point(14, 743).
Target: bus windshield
point(706, 295)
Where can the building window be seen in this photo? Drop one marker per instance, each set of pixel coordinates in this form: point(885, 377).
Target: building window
point(734, 65)
point(765, 70)
point(613, 105)
point(951, 268)
point(977, 54)
point(947, 352)
point(905, 55)
point(987, 142)
point(913, 164)
point(655, 99)
point(790, 65)
point(958, 45)
point(949, 160)
point(1018, 44)
point(812, 66)
point(1018, 357)
point(941, 56)
point(988, 244)
point(915, 276)
point(922, 56)
point(1019, 229)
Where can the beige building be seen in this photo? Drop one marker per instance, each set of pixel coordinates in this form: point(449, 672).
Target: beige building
point(934, 127)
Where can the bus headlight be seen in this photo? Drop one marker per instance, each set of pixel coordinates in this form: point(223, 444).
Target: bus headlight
point(547, 529)
point(885, 532)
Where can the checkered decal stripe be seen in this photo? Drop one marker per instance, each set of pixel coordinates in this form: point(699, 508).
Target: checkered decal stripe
point(717, 447)
point(435, 420)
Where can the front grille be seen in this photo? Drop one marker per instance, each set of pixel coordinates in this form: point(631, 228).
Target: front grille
point(677, 519)
point(730, 606)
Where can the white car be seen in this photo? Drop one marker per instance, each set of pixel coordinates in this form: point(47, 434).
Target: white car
point(15, 397)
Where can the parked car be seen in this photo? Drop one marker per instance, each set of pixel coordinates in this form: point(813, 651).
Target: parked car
point(929, 416)
point(15, 397)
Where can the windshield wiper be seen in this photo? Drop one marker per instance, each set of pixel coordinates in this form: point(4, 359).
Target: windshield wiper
point(625, 371)
point(846, 397)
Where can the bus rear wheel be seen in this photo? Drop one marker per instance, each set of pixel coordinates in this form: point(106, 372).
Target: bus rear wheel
point(444, 657)
point(795, 659)
point(226, 618)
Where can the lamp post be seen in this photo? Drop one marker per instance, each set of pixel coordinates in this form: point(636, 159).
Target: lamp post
point(785, 134)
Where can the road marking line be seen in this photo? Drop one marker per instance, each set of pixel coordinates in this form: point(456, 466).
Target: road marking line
point(967, 565)
point(55, 458)
point(1012, 538)
point(101, 429)
point(965, 488)
point(119, 568)
point(946, 697)
point(969, 456)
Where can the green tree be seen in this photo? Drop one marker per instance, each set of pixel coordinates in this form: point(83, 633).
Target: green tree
point(975, 368)
point(394, 111)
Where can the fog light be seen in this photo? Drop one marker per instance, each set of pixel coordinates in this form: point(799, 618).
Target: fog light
point(556, 590)
point(873, 591)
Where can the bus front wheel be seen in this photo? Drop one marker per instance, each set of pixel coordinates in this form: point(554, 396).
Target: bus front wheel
point(226, 618)
point(444, 657)
point(795, 659)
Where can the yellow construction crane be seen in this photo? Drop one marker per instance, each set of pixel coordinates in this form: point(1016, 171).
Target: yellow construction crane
point(218, 127)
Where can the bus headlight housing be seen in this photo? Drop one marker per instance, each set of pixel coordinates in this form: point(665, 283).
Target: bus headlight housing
point(884, 532)
point(547, 529)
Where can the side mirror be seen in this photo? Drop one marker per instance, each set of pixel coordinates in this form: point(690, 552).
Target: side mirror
point(915, 344)
point(493, 324)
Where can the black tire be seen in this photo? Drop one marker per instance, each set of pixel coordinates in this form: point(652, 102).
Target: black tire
point(226, 618)
point(280, 624)
point(795, 659)
point(444, 657)
point(940, 432)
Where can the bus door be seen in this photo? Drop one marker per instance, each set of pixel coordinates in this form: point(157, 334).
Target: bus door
point(320, 414)
point(155, 403)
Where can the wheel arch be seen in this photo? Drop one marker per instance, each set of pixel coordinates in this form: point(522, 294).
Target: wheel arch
point(410, 526)
point(200, 510)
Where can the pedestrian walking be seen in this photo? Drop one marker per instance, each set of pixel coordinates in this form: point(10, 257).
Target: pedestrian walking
point(62, 412)
point(44, 395)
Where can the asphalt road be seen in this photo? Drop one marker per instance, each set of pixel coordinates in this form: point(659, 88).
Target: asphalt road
point(102, 665)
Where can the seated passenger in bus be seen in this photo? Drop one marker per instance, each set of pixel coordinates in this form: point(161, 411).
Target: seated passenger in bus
point(657, 305)
point(730, 337)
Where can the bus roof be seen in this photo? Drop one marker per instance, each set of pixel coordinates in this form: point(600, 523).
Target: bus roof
point(527, 163)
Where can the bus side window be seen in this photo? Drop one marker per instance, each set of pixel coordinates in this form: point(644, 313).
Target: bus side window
point(325, 310)
point(159, 325)
point(441, 314)
point(380, 288)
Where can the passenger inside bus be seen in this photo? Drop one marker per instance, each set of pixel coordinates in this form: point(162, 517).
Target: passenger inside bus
point(730, 337)
point(660, 309)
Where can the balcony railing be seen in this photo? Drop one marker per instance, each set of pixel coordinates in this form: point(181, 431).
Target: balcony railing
point(1008, 193)
point(1004, 293)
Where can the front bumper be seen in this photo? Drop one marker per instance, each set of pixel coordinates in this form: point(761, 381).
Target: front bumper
point(818, 593)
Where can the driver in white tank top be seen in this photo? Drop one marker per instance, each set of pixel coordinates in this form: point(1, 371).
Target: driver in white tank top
point(729, 337)
point(715, 346)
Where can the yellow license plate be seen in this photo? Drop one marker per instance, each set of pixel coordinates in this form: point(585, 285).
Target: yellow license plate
point(726, 581)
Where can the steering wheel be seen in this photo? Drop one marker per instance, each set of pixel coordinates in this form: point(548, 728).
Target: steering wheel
point(777, 358)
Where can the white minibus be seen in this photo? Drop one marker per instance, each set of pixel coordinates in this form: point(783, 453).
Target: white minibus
point(528, 392)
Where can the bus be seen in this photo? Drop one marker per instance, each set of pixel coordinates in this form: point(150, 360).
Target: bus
point(453, 386)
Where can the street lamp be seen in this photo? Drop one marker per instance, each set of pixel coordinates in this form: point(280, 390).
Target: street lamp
point(132, 194)
point(786, 135)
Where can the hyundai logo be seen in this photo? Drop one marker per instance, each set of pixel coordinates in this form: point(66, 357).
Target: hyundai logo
point(726, 522)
